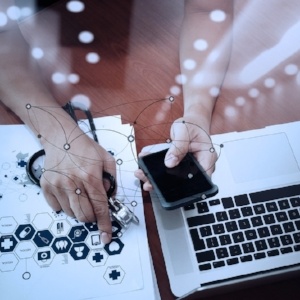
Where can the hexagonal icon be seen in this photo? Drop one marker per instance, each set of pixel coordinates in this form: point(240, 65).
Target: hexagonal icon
point(115, 247)
point(61, 245)
point(79, 251)
point(91, 226)
point(93, 240)
point(78, 234)
point(8, 262)
point(60, 228)
point(42, 221)
point(25, 249)
point(97, 257)
point(44, 257)
point(114, 275)
point(25, 232)
point(7, 225)
point(7, 243)
point(73, 221)
point(59, 215)
point(43, 238)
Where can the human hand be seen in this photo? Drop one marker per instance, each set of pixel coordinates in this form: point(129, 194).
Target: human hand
point(72, 180)
point(188, 134)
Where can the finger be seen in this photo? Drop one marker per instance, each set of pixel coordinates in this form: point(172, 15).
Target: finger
point(180, 144)
point(207, 161)
point(81, 206)
point(98, 199)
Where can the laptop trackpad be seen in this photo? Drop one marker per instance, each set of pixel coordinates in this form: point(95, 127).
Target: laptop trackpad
point(261, 157)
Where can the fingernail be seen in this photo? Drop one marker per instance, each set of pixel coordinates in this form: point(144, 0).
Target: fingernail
point(105, 237)
point(171, 160)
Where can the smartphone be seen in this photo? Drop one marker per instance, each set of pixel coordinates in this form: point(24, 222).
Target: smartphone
point(179, 186)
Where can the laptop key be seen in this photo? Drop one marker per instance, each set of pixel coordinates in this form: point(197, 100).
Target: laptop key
point(225, 239)
point(281, 216)
point(274, 242)
point(212, 242)
point(202, 207)
point(259, 209)
point(246, 258)
point(271, 206)
point(222, 216)
point(259, 255)
point(286, 239)
point(241, 200)
point(205, 267)
point(286, 250)
point(250, 234)
point(295, 201)
point(248, 248)
point(227, 202)
point(232, 261)
point(261, 245)
point(269, 219)
point(234, 214)
point(288, 227)
point(256, 221)
point(205, 256)
point(276, 229)
point(297, 237)
point(235, 250)
point(284, 204)
point(218, 228)
point(273, 252)
point(247, 211)
point(244, 224)
point(263, 232)
point(201, 220)
point(197, 242)
point(231, 226)
point(218, 264)
point(205, 231)
point(222, 253)
point(238, 237)
point(294, 214)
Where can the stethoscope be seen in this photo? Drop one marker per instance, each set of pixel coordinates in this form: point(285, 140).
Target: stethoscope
point(120, 212)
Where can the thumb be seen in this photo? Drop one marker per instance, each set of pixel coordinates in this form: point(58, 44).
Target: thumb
point(179, 147)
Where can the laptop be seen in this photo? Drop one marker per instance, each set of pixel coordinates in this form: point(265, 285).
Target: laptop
point(250, 231)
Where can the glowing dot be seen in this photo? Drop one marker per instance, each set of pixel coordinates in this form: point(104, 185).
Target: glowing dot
point(253, 93)
point(75, 6)
point(133, 203)
point(171, 99)
point(37, 53)
point(26, 11)
point(203, 196)
point(212, 150)
point(214, 91)
point(181, 79)
point(14, 12)
point(67, 146)
point(28, 106)
point(78, 191)
point(131, 138)
point(92, 58)
point(230, 112)
point(200, 45)
point(119, 161)
point(43, 170)
point(189, 64)
point(190, 175)
point(58, 78)
point(73, 78)
point(86, 37)
point(81, 101)
point(217, 15)
point(175, 90)
point(240, 101)
point(269, 82)
point(3, 19)
point(291, 69)
point(168, 140)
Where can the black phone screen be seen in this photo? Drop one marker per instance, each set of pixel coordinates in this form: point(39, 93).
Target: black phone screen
point(178, 186)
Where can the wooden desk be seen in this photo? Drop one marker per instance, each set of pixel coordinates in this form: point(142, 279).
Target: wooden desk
point(138, 46)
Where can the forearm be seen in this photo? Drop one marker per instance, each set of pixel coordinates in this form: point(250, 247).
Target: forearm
point(205, 48)
point(23, 91)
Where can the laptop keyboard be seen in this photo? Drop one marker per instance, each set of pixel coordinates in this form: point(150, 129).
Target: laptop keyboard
point(245, 228)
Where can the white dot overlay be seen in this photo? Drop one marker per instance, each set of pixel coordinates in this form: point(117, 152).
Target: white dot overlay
point(217, 15)
point(75, 6)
